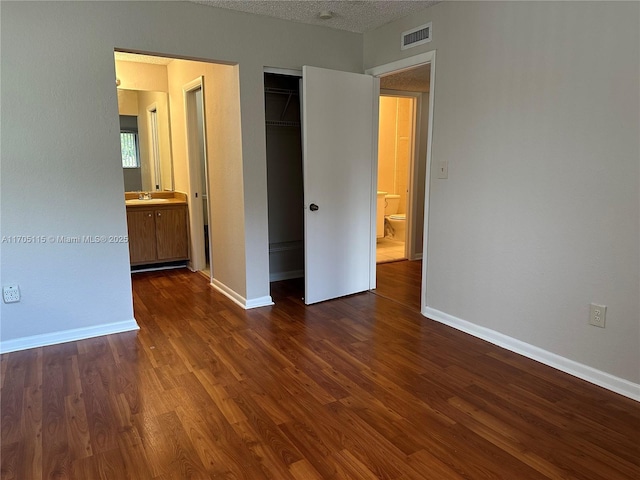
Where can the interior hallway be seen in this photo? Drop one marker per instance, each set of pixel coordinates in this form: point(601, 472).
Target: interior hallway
point(361, 387)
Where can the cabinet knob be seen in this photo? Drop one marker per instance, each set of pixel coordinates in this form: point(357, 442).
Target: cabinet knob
point(148, 215)
point(159, 214)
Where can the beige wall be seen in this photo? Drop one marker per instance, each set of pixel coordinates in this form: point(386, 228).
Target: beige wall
point(142, 76)
point(161, 102)
point(386, 144)
point(143, 85)
point(536, 110)
point(395, 146)
point(127, 102)
point(224, 154)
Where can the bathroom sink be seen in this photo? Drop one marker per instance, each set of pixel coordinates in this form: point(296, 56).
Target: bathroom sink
point(136, 201)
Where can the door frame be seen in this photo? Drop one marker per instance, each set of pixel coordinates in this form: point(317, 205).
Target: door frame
point(154, 145)
point(396, 67)
point(286, 72)
point(196, 217)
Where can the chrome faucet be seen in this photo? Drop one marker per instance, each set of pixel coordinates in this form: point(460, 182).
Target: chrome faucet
point(144, 196)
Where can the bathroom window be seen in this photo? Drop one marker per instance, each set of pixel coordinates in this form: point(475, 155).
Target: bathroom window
point(129, 148)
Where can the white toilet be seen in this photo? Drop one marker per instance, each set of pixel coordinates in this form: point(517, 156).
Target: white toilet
point(394, 222)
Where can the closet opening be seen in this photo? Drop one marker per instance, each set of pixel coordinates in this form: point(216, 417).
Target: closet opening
point(284, 176)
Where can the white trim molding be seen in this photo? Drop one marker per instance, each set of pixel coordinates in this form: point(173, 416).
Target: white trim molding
point(584, 372)
point(283, 71)
point(395, 67)
point(238, 299)
point(402, 64)
point(64, 336)
point(265, 301)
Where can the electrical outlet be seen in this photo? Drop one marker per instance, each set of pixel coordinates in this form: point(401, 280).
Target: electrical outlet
point(597, 315)
point(443, 170)
point(11, 294)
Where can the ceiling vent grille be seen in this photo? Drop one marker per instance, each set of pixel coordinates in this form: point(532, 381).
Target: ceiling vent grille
point(416, 36)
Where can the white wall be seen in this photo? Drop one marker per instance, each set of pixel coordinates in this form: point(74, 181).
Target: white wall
point(61, 172)
point(537, 112)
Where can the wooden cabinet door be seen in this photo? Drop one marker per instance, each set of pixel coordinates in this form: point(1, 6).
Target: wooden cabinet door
point(171, 233)
point(142, 236)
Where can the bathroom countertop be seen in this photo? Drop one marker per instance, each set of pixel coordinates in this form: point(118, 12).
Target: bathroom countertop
point(158, 199)
point(154, 202)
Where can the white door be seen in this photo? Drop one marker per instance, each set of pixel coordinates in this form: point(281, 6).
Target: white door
point(194, 96)
point(338, 132)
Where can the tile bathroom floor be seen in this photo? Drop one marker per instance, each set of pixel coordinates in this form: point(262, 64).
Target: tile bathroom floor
point(389, 250)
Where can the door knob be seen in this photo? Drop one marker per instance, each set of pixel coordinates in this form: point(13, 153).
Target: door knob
point(313, 207)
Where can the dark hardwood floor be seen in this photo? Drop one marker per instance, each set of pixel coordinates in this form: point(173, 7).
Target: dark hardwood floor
point(400, 281)
point(357, 388)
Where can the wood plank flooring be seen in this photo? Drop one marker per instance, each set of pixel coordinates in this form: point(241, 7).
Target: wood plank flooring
point(400, 281)
point(357, 388)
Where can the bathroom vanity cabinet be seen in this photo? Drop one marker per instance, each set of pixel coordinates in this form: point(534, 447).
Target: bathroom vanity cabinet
point(157, 233)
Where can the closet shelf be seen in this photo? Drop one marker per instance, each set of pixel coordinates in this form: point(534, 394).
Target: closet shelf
point(282, 123)
point(282, 91)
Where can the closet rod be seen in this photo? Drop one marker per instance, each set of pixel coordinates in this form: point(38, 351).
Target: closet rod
point(281, 123)
point(280, 91)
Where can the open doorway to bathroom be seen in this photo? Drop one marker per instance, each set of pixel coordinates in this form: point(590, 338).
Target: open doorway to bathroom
point(403, 145)
point(396, 140)
point(402, 157)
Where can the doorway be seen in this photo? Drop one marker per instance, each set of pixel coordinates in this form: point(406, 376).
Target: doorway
point(397, 120)
point(198, 174)
point(154, 147)
point(412, 77)
point(284, 176)
point(335, 197)
point(337, 139)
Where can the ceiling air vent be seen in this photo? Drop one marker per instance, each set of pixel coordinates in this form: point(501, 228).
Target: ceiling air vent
point(416, 36)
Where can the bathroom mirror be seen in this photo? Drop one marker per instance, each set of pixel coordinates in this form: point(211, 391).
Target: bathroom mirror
point(144, 116)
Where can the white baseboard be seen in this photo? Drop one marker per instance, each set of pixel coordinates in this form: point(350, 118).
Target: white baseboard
point(584, 372)
point(239, 299)
point(265, 301)
point(278, 276)
point(64, 336)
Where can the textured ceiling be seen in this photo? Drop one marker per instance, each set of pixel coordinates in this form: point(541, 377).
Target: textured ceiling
point(353, 16)
point(412, 80)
